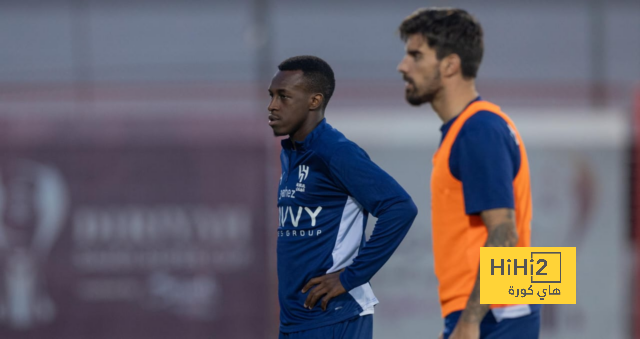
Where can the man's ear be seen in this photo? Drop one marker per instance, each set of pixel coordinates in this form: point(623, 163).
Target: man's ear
point(316, 102)
point(450, 65)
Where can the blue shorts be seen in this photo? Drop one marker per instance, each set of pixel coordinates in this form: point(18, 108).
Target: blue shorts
point(525, 327)
point(356, 328)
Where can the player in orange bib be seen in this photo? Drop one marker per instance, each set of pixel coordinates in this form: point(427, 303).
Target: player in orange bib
point(480, 187)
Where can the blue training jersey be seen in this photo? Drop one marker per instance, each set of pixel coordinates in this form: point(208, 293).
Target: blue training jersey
point(328, 187)
point(485, 157)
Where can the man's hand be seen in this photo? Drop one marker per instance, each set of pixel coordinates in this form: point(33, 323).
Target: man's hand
point(466, 330)
point(328, 286)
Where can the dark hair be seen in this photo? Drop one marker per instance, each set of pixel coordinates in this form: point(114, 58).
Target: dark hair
point(317, 72)
point(448, 31)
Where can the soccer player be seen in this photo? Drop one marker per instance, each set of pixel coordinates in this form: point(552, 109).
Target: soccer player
point(480, 187)
point(327, 189)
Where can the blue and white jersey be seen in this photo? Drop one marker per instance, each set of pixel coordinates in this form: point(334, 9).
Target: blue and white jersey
point(327, 189)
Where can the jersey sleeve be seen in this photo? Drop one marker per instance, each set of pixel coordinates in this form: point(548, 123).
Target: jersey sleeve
point(379, 194)
point(486, 158)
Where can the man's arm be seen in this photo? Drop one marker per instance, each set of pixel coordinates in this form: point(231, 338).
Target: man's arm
point(501, 225)
point(486, 158)
point(377, 192)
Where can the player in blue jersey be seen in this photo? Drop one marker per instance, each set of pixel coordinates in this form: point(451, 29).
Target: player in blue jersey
point(327, 189)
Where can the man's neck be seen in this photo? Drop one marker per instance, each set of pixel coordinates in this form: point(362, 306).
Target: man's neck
point(452, 101)
point(315, 118)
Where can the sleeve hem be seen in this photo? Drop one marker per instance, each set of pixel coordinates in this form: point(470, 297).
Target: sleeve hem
point(345, 283)
point(478, 210)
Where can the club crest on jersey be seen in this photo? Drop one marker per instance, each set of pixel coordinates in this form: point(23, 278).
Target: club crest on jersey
point(303, 173)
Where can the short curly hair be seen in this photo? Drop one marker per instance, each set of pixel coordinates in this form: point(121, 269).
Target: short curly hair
point(317, 72)
point(448, 31)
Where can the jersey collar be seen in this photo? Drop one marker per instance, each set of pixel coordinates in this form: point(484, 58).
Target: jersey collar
point(308, 141)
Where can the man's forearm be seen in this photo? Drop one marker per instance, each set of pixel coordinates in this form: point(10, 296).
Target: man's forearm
point(501, 234)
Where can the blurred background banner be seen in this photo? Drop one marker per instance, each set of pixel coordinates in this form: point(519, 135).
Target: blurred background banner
point(138, 174)
point(129, 228)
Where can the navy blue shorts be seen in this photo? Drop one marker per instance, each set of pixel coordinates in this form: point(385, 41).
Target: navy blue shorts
point(525, 327)
point(356, 328)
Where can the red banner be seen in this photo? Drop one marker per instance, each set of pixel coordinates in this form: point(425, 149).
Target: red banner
point(132, 228)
